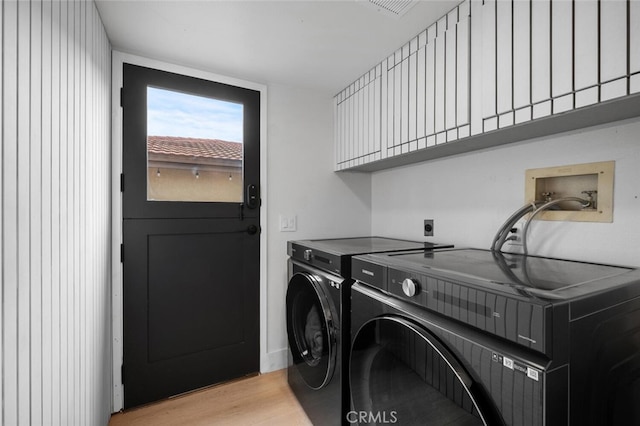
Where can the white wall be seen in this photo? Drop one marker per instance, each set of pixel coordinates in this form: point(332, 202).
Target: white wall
point(471, 195)
point(300, 183)
point(55, 227)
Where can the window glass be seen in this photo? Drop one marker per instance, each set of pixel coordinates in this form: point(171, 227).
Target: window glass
point(194, 148)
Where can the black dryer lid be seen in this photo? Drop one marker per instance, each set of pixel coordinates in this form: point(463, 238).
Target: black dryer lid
point(365, 245)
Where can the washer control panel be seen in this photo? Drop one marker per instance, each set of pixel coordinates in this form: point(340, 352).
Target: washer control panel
point(504, 316)
point(407, 286)
point(410, 287)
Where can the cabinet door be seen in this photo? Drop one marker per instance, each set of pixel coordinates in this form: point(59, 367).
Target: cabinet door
point(440, 88)
point(338, 140)
point(369, 113)
point(430, 76)
point(522, 60)
point(384, 108)
point(476, 57)
point(540, 57)
point(365, 139)
point(463, 72)
point(404, 98)
point(504, 63)
point(562, 55)
point(348, 142)
point(421, 89)
point(376, 113)
point(586, 52)
point(359, 120)
point(634, 48)
point(390, 75)
point(489, 110)
point(613, 48)
point(355, 114)
point(359, 114)
point(355, 125)
point(398, 96)
point(348, 127)
point(412, 89)
point(450, 79)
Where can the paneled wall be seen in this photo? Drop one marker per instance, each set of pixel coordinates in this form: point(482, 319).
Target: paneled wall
point(55, 234)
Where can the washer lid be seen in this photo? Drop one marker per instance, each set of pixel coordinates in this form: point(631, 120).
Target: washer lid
point(537, 275)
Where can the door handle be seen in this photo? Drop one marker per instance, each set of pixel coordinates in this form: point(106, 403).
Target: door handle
point(252, 229)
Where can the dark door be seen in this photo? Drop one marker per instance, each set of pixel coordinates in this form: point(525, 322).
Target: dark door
point(191, 214)
point(400, 373)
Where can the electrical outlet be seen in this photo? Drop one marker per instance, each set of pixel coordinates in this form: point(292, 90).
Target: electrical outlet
point(428, 227)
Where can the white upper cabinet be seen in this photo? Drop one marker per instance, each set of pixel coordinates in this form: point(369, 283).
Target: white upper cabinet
point(490, 72)
point(561, 56)
point(430, 86)
point(440, 87)
point(522, 61)
point(421, 91)
point(412, 89)
point(357, 122)
point(613, 48)
point(634, 51)
point(586, 53)
point(504, 62)
point(540, 58)
point(476, 107)
point(463, 71)
point(416, 98)
point(488, 66)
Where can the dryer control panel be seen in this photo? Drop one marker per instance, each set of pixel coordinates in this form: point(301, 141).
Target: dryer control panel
point(326, 261)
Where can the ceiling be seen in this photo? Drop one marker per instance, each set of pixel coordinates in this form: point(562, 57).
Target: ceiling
point(320, 45)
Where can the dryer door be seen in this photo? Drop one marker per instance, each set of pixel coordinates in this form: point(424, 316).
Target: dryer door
point(402, 374)
point(311, 328)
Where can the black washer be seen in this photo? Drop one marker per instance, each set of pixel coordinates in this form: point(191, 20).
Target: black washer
point(469, 336)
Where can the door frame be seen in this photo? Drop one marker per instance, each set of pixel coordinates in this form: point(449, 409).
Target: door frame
point(117, 61)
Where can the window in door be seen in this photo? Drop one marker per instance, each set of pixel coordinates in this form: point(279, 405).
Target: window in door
point(194, 148)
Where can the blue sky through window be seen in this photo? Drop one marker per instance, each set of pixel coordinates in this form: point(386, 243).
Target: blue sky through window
point(172, 113)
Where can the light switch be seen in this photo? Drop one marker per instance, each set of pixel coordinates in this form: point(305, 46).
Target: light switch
point(288, 223)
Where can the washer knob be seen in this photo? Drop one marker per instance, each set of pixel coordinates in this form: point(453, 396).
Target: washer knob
point(307, 254)
point(410, 287)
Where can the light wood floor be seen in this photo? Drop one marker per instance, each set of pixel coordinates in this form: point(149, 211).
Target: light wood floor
point(261, 400)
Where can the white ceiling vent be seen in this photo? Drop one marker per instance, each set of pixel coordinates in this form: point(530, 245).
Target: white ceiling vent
point(395, 8)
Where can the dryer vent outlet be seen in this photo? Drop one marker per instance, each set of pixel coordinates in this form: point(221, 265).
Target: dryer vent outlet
point(428, 227)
